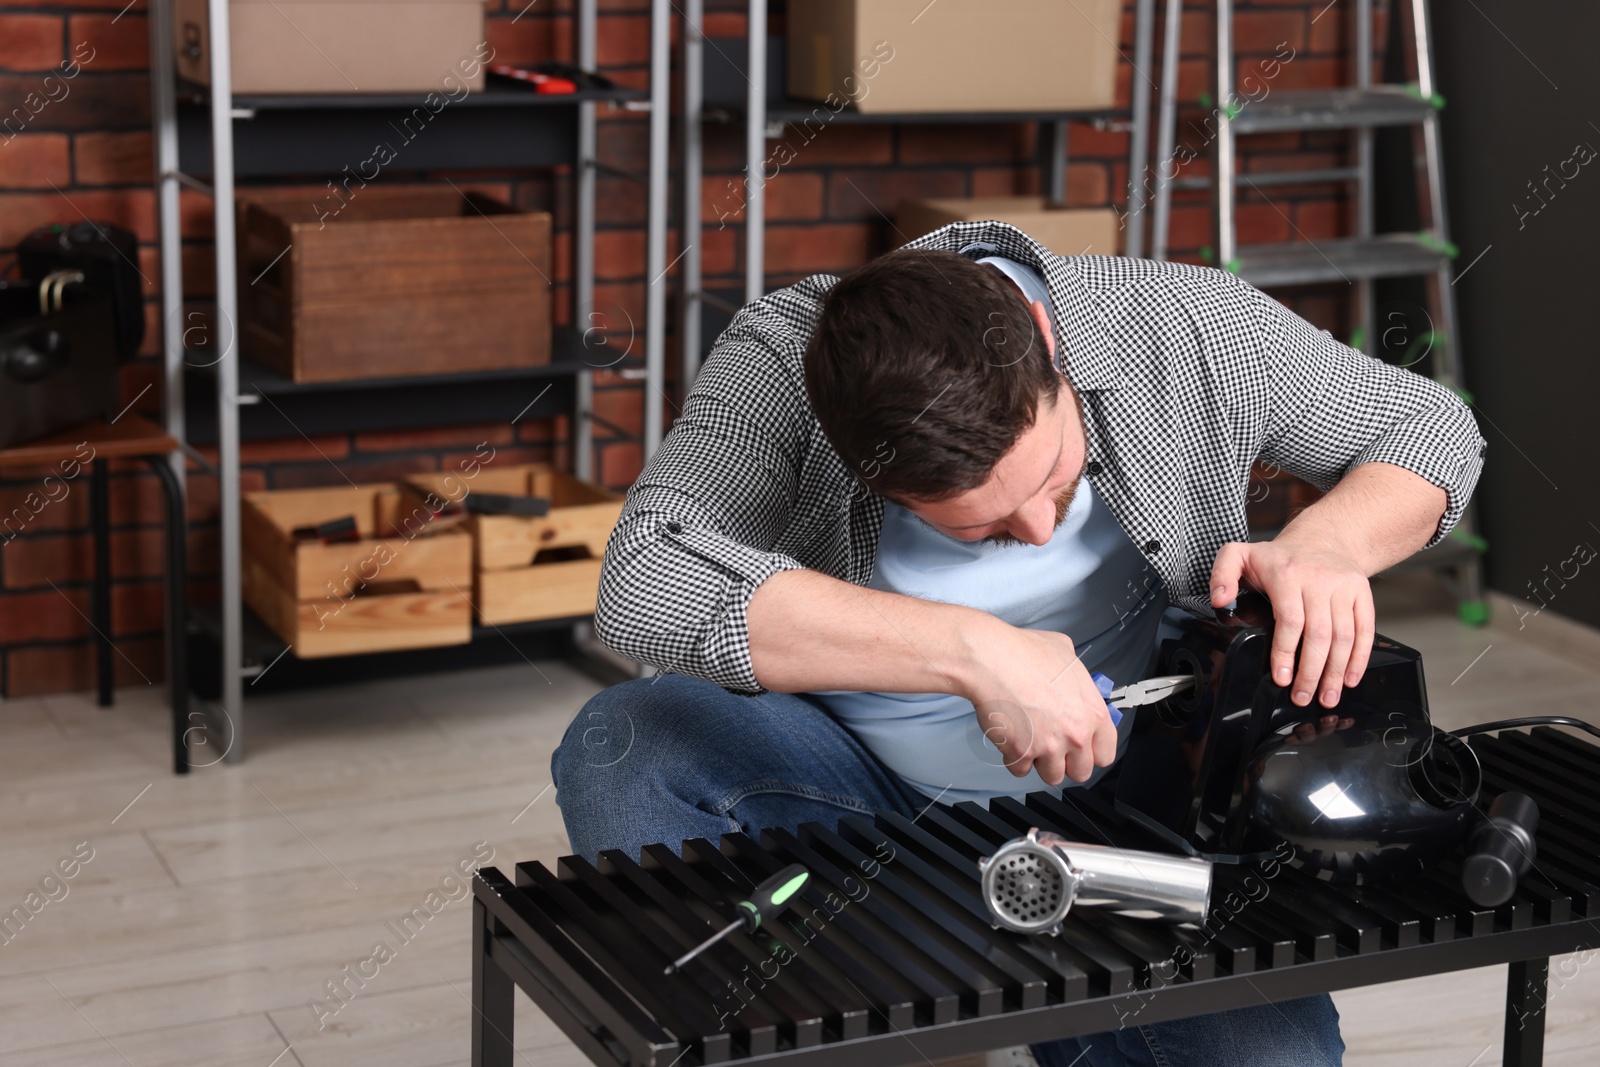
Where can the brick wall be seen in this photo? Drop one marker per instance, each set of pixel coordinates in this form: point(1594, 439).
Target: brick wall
point(89, 152)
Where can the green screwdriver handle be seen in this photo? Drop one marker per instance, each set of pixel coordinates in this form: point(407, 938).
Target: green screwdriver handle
point(771, 897)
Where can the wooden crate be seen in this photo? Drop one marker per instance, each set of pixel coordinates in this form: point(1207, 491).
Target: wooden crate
point(392, 282)
point(398, 587)
point(529, 568)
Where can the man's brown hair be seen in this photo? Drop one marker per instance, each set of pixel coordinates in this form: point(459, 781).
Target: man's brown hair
point(924, 368)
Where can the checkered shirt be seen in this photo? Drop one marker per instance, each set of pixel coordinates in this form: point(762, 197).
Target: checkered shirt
point(1188, 376)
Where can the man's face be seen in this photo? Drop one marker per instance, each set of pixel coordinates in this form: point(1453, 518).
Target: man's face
point(1028, 493)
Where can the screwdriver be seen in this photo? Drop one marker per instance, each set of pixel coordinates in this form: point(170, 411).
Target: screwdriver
point(767, 902)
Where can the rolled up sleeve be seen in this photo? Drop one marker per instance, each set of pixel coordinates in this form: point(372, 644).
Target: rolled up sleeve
point(694, 541)
point(1331, 408)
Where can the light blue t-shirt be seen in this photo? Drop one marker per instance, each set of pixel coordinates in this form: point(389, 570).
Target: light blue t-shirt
point(1088, 581)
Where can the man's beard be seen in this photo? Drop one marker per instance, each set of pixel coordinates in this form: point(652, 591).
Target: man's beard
point(1063, 505)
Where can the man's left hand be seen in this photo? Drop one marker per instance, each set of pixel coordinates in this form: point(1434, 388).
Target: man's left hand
point(1317, 594)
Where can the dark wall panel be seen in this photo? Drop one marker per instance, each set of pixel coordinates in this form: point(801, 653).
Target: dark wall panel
point(1522, 153)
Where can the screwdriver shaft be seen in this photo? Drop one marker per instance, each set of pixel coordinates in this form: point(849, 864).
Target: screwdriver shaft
point(702, 946)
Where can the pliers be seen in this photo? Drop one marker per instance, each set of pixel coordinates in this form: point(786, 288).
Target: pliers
point(1138, 694)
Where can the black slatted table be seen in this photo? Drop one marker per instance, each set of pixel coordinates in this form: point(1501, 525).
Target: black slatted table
point(890, 959)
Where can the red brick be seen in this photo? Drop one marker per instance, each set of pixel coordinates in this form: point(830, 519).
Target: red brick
point(45, 616)
point(1001, 181)
point(792, 195)
point(361, 471)
point(111, 5)
point(533, 431)
point(1332, 32)
point(1305, 73)
point(1321, 219)
point(513, 456)
point(107, 101)
point(68, 668)
point(835, 143)
point(112, 158)
point(725, 24)
point(34, 161)
point(1198, 36)
point(625, 42)
point(205, 553)
point(288, 449)
point(809, 249)
point(136, 608)
point(1261, 224)
point(22, 213)
point(30, 506)
point(1089, 142)
point(201, 491)
point(875, 195)
point(619, 254)
point(963, 143)
point(495, 434)
point(132, 380)
point(623, 408)
point(720, 250)
point(523, 42)
point(620, 463)
point(31, 43)
point(151, 346)
point(1268, 32)
point(119, 42)
point(34, 562)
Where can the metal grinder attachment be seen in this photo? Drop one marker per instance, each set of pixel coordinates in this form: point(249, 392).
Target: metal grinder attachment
point(1031, 882)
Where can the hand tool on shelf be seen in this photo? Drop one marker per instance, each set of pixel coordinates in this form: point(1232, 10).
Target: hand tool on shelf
point(767, 902)
point(331, 532)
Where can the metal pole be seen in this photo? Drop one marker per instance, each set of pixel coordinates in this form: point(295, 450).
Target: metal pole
point(1139, 152)
point(755, 147)
point(583, 253)
point(226, 326)
point(1223, 178)
point(1055, 172)
point(655, 326)
point(164, 117)
point(1166, 130)
point(1366, 308)
point(693, 165)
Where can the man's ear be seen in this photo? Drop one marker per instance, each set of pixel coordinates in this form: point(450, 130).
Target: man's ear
point(1042, 319)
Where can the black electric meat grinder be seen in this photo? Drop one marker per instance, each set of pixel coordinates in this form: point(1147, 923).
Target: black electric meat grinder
point(1230, 769)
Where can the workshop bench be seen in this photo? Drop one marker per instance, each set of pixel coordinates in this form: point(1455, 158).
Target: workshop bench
point(903, 948)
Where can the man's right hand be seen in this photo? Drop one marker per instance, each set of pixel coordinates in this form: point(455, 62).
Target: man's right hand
point(1036, 703)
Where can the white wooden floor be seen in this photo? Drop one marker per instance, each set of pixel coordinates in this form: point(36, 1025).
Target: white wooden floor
point(216, 906)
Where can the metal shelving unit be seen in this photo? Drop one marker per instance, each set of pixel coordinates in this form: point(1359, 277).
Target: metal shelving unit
point(1363, 257)
point(206, 136)
point(765, 111)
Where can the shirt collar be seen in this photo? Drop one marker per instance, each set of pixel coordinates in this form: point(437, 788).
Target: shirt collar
point(1084, 350)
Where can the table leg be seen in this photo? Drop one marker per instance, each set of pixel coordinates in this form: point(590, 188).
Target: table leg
point(100, 589)
point(493, 997)
point(1525, 1004)
point(177, 609)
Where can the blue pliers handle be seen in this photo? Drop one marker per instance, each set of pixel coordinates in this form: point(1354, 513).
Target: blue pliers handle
point(1137, 694)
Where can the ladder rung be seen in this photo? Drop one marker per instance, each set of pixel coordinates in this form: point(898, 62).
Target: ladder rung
point(1314, 109)
point(1276, 177)
point(1389, 255)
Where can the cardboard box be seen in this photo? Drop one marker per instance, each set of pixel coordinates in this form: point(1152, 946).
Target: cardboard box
point(528, 568)
point(1064, 231)
point(898, 56)
point(339, 46)
point(399, 586)
point(393, 282)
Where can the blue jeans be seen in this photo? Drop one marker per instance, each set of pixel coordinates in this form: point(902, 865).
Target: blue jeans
point(667, 758)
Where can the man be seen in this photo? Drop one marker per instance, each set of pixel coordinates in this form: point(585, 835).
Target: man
point(905, 514)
